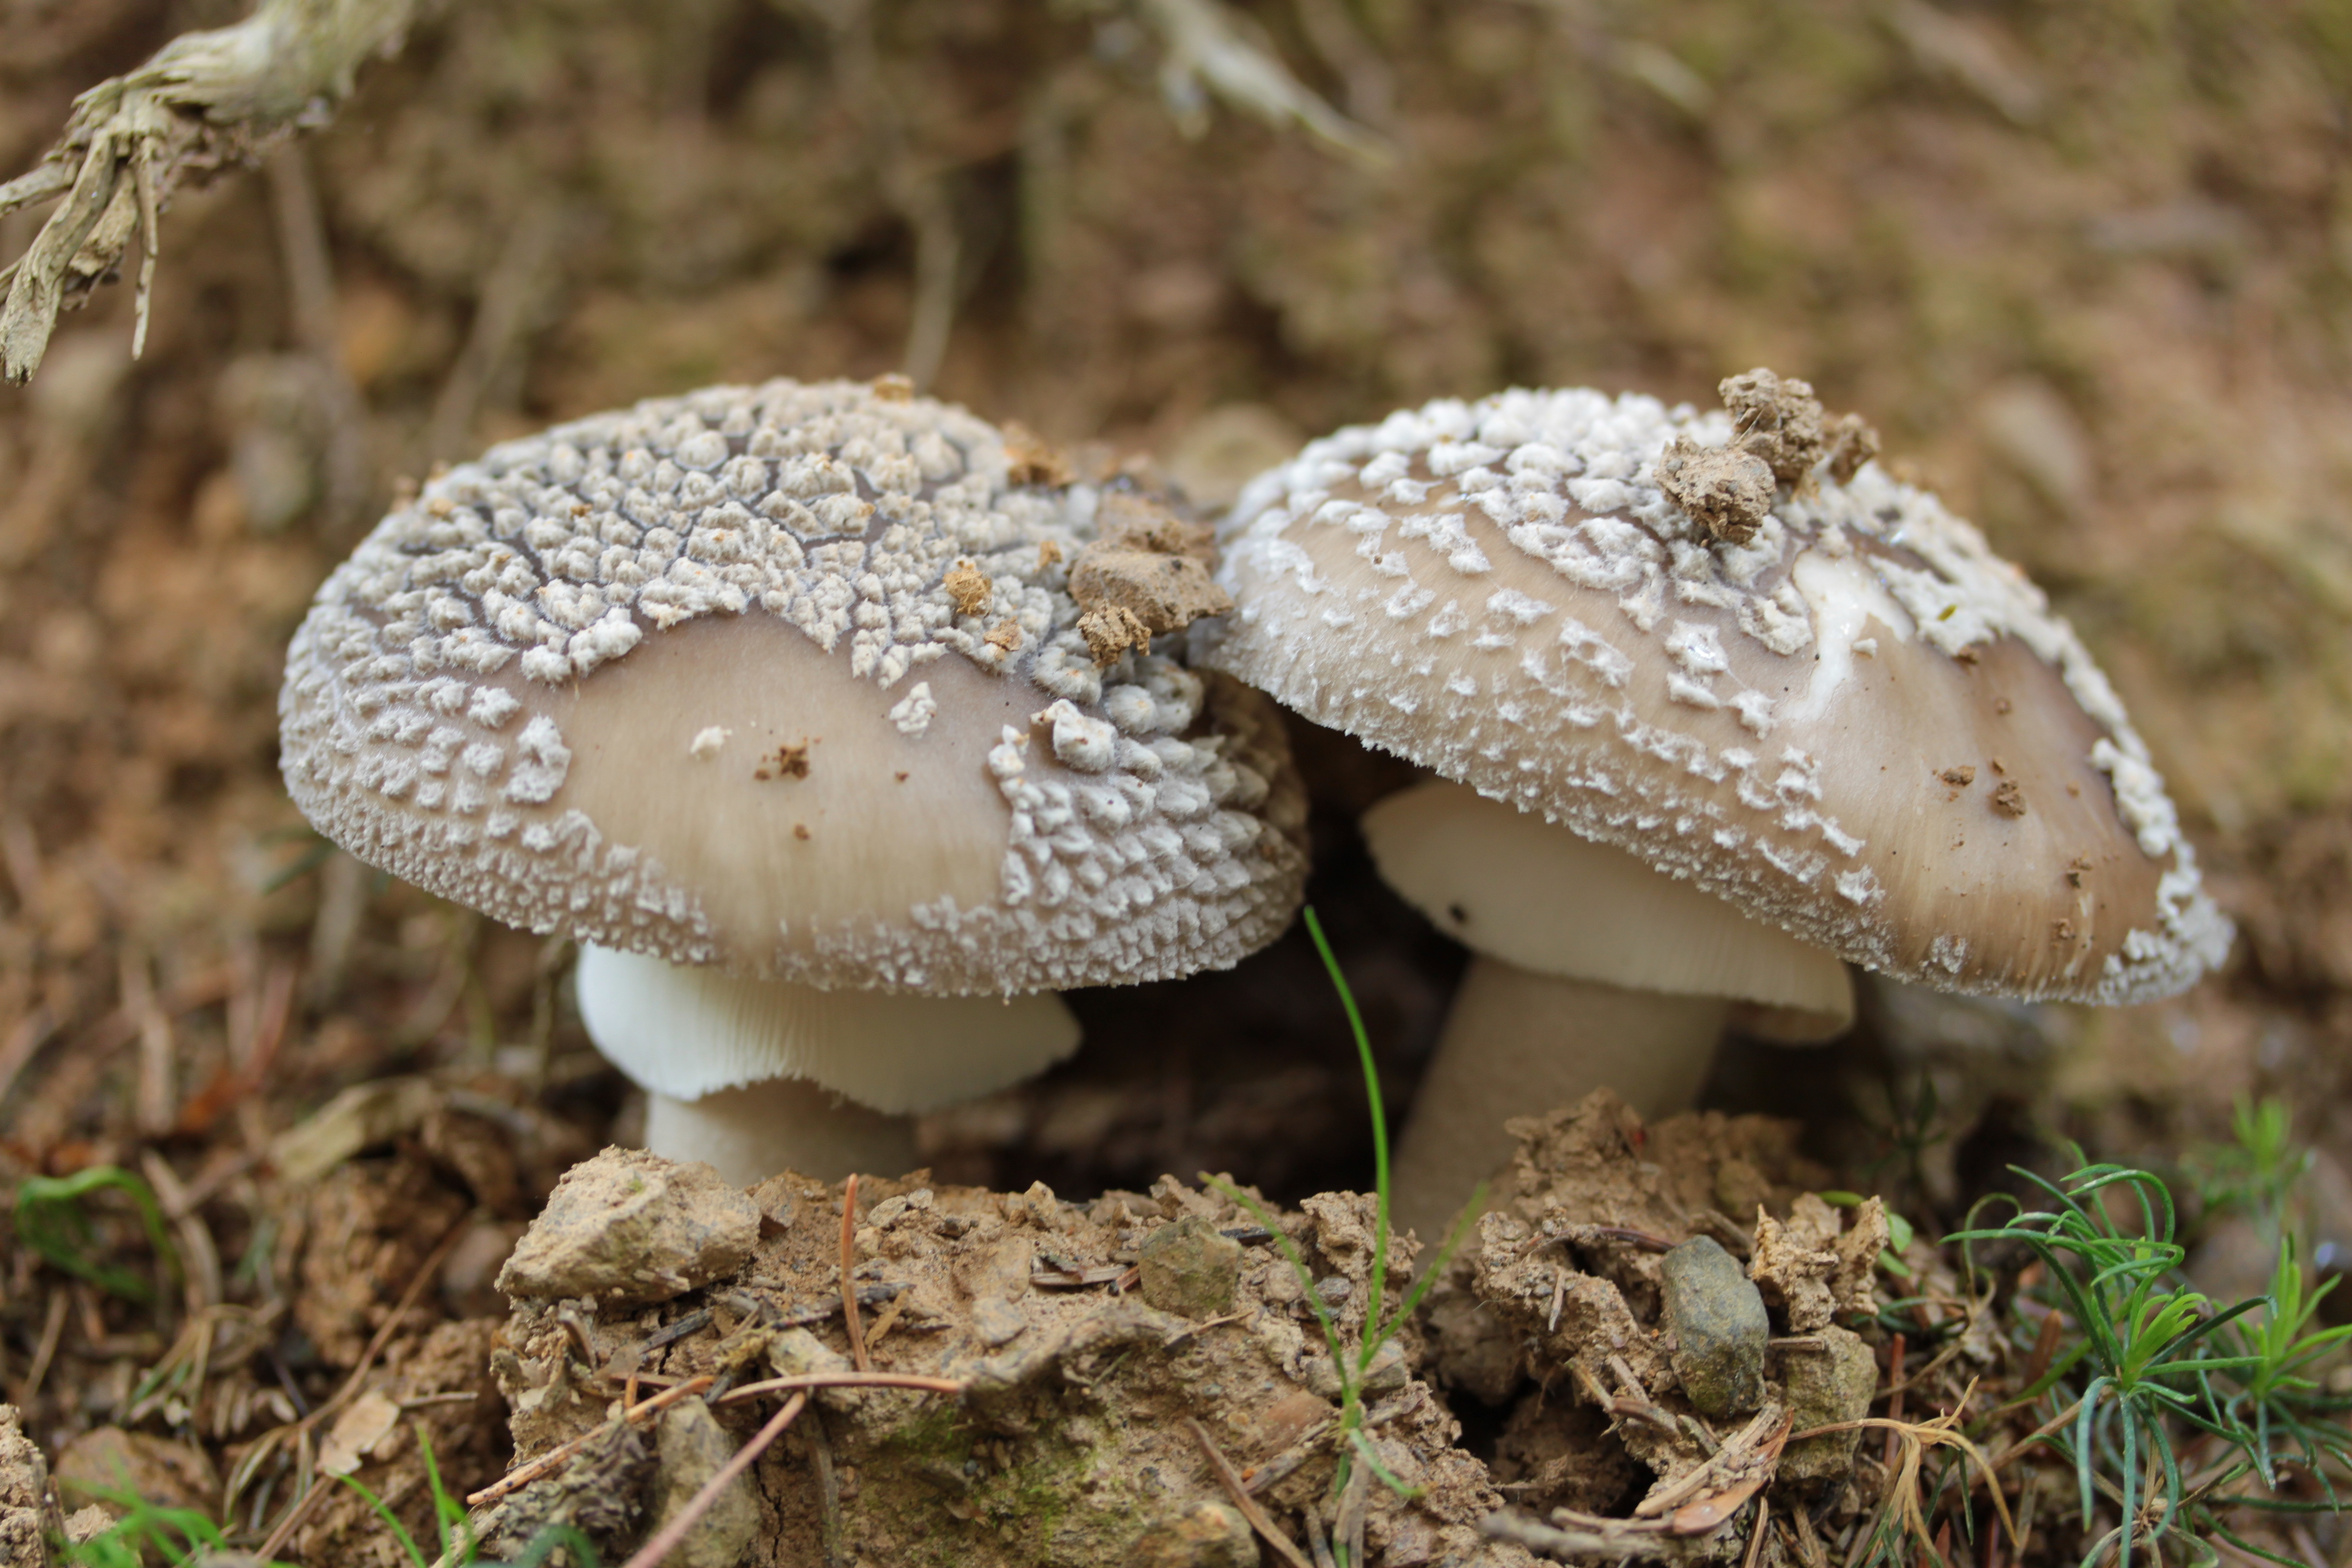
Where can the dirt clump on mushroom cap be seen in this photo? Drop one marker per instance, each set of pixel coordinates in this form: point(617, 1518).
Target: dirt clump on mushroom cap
point(1072, 1444)
point(1147, 572)
point(1726, 490)
point(1780, 421)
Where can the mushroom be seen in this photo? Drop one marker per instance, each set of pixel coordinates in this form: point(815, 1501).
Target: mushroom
point(777, 700)
point(1729, 649)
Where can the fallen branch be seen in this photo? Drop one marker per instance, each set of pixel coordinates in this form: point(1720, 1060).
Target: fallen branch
point(205, 101)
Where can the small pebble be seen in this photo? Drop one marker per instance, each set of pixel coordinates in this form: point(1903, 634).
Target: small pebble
point(1716, 1316)
point(1189, 1269)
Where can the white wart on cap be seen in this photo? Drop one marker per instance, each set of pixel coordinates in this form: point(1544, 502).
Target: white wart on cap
point(1842, 713)
point(787, 679)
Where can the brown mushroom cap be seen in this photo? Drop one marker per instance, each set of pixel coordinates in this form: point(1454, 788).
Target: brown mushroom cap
point(1858, 725)
point(787, 679)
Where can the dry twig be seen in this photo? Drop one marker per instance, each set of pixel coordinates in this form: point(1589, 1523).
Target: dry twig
point(1232, 1481)
point(205, 99)
point(522, 1476)
point(855, 1326)
point(667, 1539)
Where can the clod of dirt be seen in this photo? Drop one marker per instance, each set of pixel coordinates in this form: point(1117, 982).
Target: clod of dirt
point(1725, 490)
point(602, 1491)
point(1852, 443)
point(105, 1462)
point(1718, 1320)
point(1189, 1269)
point(969, 589)
point(1030, 459)
point(364, 1232)
point(1776, 420)
point(1813, 1266)
point(1073, 1443)
point(1147, 572)
point(1824, 1388)
point(1780, 435)
point(1590, 1257)
point(25, 1500)
point(629, 1227)
point(690, 1449)
point(430, 1383)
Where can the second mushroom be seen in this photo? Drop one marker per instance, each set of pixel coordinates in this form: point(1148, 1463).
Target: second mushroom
point(1724, 707)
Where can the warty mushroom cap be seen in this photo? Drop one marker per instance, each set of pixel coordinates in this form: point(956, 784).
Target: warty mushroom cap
point(785, 680)
point(1859, 725)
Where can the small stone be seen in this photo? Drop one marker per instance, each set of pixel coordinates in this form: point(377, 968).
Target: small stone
point(796, 1353)
point(1824, 1388)
point(85, 1525)
point(1189, 1269)
point(1387, 1374)
point(631, 1227)
point(1203, 1533)
point(692, 1449)
point(997, 1322)
point(1716, 1316)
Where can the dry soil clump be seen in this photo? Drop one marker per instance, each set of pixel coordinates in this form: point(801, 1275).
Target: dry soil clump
point(1102, 1348)
point(1668, 1291)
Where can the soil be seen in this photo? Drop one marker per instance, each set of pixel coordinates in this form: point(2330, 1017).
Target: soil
point(2084, 267)
point(1091, 1339)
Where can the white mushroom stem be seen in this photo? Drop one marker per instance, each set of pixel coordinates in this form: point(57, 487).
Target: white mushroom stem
point(1516, 1043)
point(1587, 969)
point(747, 1073)
point(780, 1124)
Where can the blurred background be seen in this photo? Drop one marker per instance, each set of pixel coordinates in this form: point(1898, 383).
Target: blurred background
point(2087, 267)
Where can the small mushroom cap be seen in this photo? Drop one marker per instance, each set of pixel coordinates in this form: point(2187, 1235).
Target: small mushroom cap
point(1859, 725)
point(1519, 888)
point(787, 679)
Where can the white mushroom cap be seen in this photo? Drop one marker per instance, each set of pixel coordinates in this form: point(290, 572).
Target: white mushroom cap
point(1513, 887)
point(1859, 725)
point(787, 679)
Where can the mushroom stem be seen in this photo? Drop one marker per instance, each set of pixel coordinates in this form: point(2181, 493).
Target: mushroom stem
point(1516, 1043)
point(780, 1124)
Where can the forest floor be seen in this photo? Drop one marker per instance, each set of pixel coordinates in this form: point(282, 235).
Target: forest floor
point(2088, 268)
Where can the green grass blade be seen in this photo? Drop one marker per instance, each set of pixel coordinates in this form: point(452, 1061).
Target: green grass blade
point(1380, 1129)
